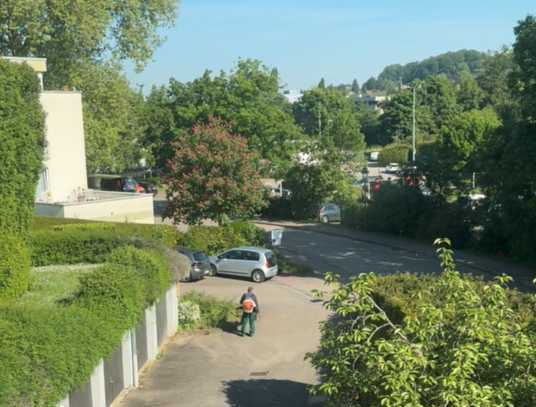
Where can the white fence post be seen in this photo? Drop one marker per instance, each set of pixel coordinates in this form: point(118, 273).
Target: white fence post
point(172, 311)
point(98, 387)
point(152, 334)
point(127, 361)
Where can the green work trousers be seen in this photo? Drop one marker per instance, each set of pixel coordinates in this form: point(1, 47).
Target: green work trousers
point(247, 323)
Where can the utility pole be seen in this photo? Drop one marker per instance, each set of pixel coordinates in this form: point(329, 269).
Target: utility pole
point(414, 125)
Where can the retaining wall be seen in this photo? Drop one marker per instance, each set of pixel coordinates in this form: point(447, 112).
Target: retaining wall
point(139, 346)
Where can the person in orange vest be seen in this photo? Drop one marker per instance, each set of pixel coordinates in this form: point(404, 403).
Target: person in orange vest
point(250, 309)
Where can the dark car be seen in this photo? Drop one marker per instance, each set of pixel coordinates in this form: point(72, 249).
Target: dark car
point(199, 261)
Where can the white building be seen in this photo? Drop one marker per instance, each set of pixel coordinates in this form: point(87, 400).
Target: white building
point(62, 190)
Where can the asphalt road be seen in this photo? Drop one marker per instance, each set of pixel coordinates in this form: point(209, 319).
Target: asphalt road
point(221, 369)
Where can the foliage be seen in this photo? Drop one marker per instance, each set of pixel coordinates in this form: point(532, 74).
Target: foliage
point(247, 98)
point(469, 95)
point(14, 267)
point(49, 349)
point(311, 186)
point(112, 117)
point(329, 117)
point(451, 64)
point(92, 242)
point(371, 126)
point(215, 240)
point(460, 343)
point(66, 32)
point(394, 153)
point(212, 175)
point(214, 313)
point(21, 145)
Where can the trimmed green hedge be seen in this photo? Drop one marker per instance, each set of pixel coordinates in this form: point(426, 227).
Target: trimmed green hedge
point(14, 267)
point(394, 153)
point(49, 350)
point(212, 240)
point(92, 242)
point(22, 139)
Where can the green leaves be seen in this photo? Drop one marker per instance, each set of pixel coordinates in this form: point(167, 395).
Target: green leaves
point(458, 342)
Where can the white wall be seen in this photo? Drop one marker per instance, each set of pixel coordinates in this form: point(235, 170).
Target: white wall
point(65, 156)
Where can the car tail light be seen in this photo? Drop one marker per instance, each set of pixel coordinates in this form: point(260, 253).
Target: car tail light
point(266, 262)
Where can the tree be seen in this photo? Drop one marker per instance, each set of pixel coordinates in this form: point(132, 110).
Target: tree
point(329, 118)
point(355, 87)
point(469, 95)
point(524, 78)
point(322, 84)
point(22, 141)
point(112, 117)
point(67, 32)
point(371, 126)
point(212, 175)
point(425, 342)
point(247, 98)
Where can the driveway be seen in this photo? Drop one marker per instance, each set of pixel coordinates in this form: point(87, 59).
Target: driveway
point(222, 369)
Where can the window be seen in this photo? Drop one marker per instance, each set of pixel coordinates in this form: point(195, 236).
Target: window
point(250, 256)
point(233, 255)
point(200, 256)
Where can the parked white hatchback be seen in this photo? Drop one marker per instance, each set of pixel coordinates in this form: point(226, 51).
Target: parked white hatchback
point(252, 262)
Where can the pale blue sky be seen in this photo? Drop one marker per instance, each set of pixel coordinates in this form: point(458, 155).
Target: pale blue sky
point(335, 39)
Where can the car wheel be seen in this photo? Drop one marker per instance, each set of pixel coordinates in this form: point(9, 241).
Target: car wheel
point(258, 276)
point(325, 219)
point(213, 270)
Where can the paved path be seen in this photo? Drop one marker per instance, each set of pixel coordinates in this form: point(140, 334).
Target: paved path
point(222, 369)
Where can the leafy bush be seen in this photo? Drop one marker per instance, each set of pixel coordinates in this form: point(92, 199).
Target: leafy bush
point(394, 153)
point(14, 267)
point(214, 313)
point(189, 314)
point(149, 265)
point(214, 240)
point(92, 242)
point(278, 208)
point(22, 138)
point(434, 341)
point(49, 349)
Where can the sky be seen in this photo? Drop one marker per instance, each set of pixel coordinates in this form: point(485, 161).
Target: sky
point(338, 40)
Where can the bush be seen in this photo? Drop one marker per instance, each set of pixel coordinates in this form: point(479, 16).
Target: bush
point(430, 341)
point(92, 242)
point(394, 153)
point(278, 208)
point(49, 350)
point(214, 240)
point(189, 314)
point(214, 313)
point(14, 267)
point(22, 138)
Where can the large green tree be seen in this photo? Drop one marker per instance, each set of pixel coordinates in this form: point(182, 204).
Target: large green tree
point(330, 118)
point(112, 117)
point(67, 32)
point(248, 98)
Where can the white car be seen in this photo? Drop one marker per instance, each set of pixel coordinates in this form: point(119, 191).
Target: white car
point(329, 213)
point(392, 168)
point(253, 262)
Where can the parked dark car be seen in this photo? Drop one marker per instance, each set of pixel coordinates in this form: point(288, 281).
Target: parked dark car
point(200, 263)
point(121, 183)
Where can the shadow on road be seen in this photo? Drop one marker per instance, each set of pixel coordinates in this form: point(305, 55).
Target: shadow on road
point(265, 393)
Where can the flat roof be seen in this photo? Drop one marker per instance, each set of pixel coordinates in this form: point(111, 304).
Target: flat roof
point(38, 64)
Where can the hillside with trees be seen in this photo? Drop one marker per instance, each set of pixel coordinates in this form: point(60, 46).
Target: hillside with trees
point(451, 64)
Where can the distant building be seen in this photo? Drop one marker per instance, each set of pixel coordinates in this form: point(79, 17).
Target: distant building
point(374, 102)
point(292, 96)
point(62, 190)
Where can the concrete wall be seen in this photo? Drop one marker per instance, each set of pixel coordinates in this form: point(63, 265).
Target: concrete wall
point(120, 371)
point(113, 207)
point(65, 155)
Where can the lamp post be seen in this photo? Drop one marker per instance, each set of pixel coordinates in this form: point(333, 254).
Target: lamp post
point(414, 124)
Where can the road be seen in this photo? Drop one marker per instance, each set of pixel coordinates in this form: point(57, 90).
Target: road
point(221, 369)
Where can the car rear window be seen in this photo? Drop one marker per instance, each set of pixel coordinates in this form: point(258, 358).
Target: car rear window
point(200, 256)
point(251, 256)
point(270, 258)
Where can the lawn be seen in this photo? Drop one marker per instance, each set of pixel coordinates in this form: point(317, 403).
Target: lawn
point(53, 285)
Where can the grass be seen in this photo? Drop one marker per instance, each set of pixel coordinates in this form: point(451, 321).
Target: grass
point(49, 287)
point(214, 312)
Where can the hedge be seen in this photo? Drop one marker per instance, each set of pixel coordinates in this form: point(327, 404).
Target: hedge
point(14, 267)
point(49, 350)
point(92, 242)
point(22, 124)
point(394, 153)
point(213, 240)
